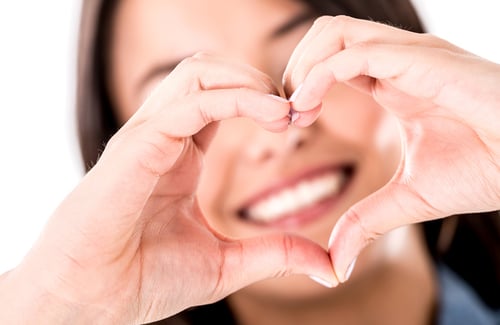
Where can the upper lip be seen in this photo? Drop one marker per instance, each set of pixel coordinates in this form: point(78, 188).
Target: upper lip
point(288, 182)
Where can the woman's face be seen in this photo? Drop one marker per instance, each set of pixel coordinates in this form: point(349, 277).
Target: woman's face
point(256, 182)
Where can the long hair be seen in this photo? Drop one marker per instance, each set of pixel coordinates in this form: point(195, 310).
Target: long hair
point(96, 120)
point(469, 244)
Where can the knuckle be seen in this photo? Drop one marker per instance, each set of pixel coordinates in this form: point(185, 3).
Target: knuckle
point(323, 20)
point(340, 21)
point(363, 46)
point(428, 37)
point(367, 235)
point(195, 58)
point(201, 55)
point(269, 85)
point(288, 243)
point(188, 61)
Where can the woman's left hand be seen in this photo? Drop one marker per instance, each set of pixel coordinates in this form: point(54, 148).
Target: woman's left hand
point(447, 102)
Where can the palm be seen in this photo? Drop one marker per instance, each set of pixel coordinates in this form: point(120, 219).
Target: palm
point(442, 159)
point(125, 252)
point(174, 223)
point(192, 247)
point(168, 234)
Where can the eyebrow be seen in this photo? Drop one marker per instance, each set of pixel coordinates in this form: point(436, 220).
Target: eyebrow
point(166, 67)
point(297, 20)
point(159, 69)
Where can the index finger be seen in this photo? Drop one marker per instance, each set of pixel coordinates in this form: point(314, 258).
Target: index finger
point(330, 35)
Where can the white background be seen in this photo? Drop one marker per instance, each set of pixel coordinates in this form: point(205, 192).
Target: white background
point(39, 160)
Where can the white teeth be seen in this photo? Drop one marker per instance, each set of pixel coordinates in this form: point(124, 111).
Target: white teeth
point(299, 196)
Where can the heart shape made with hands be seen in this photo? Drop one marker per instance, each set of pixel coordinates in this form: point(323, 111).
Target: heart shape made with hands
point(133, 227)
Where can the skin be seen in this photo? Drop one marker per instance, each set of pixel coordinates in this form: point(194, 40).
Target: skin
point(244, 160)
point(114, 251)
point(444, 122)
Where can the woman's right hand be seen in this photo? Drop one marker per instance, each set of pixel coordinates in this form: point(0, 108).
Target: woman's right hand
point(130, 243)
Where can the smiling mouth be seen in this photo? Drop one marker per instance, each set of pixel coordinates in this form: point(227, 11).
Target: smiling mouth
point(303, 198)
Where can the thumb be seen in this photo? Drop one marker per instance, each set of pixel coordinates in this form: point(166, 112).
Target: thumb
point(392, 206)
point(250, 260)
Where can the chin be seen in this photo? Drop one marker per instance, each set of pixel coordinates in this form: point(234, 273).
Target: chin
point(288, 290)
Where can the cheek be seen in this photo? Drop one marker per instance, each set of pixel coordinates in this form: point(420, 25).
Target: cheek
point(217, 178)
point(213, 183)
point(358, 119)
point(350, 114)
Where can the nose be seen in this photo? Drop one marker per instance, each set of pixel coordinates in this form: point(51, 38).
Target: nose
point(265, 146)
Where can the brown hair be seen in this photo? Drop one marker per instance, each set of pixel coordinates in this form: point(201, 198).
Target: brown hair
point(472, 247)
point(96, 120)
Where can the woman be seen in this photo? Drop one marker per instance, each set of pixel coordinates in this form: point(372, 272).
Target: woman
point(194, 200)
point(255, 182)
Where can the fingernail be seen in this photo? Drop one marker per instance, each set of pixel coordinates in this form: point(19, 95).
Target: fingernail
point(350, 268)
point(293, 115)
point(296, 93)
point(321, 281)
point(278, 98)
point(330, 241)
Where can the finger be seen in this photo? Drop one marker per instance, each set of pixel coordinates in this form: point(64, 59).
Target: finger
point(204, 137)
point(256, 259)
point(158, 142)
point(392, 206)
point(213, 72)
point(306, 118)
point(192, 113)
point(331, 35)
point(205, 72)
point(362, 84)
point(318, 26)
point(416, 74)
point(342, 32)
point(153, 146)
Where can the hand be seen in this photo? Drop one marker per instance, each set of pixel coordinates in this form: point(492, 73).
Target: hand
point(447, 102)
point(130, 243)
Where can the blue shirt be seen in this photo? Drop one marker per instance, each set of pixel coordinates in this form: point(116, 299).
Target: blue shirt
point(460, 305)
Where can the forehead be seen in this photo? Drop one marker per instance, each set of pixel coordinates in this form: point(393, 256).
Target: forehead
point(198, 22)
point(150, 33)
